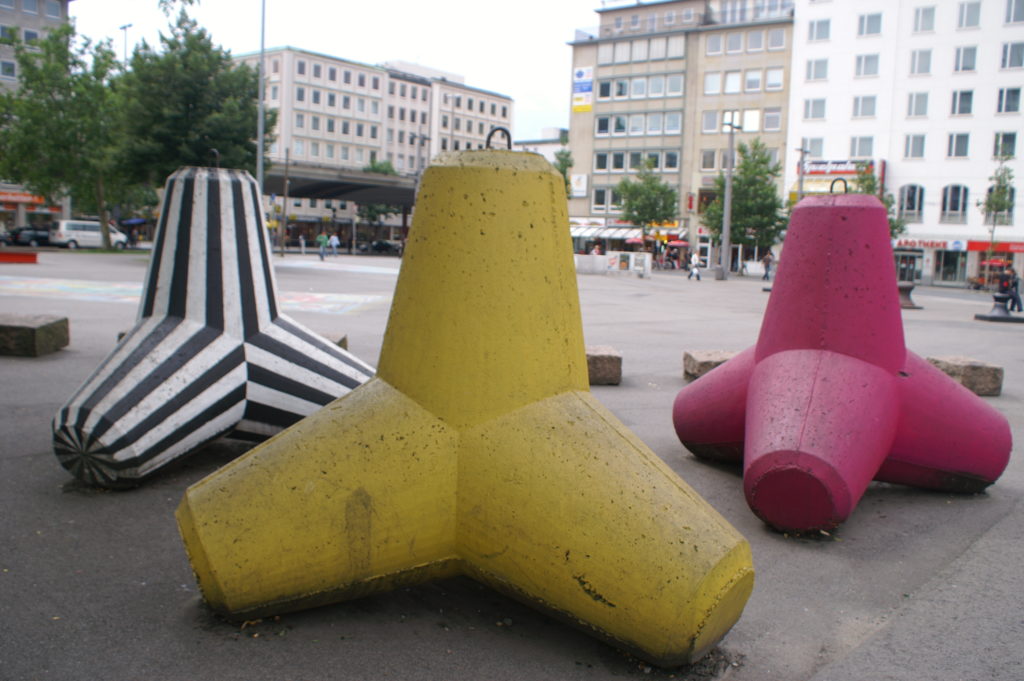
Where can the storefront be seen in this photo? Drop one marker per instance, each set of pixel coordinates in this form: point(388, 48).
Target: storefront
point(19, 208)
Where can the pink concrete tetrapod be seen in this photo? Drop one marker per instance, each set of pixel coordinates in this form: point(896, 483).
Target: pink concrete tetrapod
point(830, 398)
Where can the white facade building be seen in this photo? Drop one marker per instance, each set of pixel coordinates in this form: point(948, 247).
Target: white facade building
point(930, 91)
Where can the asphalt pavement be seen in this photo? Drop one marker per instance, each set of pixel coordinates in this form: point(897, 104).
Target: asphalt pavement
point(95, 584)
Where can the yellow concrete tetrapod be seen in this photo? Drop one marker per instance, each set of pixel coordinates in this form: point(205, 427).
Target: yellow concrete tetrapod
point(476, 450)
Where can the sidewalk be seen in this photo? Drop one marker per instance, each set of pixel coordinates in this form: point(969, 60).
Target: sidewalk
point(94, 584)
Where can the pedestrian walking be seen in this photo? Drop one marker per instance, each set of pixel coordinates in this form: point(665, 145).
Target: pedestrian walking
point(321, 242)
point(694, 266)
point(334, 242)
point(1014, 290)
point(767, 261)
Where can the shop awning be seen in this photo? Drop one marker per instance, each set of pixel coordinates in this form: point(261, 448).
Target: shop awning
point(606, 232)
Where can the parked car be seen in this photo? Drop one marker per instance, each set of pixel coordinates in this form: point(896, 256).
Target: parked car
point(5, 237)
point(382, 247)
point(32, 235)
point(84, 234)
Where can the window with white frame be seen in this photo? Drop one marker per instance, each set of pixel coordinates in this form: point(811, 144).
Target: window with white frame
point(869, 24)
point(619, 160)
point(864, 106)
point(814, 109)
point(969, 14)
point(772, 119)
point(1009, 100)
point(963, 102)
point(867, 65)
point(713, 44)
point(605, 53)
point(752, 80)
point(862, 146)
point(707, 159)
point(913, 146)
point(638, 88)
point(776, 39)
point(709, 122)
point(966, 58)
point(300, 94)
point(300, 120)
point(1002, 217)
point(53, 9)
point(7, 69)
point(622, 53)
point(818, 29)
point(673, 122)
point(601, 162)
point(732, 83)
point(817, 69)
point(636, 124)
point(657, 51)
point(958, 145)
point(656, 86)
point(674, 85)
point(920, 62)
point(671, 160)
point(639, 50)
point(1005, 145)
point(1013, 56)
point(910, 205)
point(712, 83)
point(917, 104)
point(1014, 11)
point(815, 146)
point(954, 204)
point(602, 125)
point(734, 43)
point(621, 88)
point(654, 123)
point(773, 77)
point(924, 19)
point(751, 120)
point(755, 41)
point(600, 200)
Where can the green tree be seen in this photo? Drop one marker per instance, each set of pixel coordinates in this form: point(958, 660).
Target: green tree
point(647, 200)
point(757, 217)
point(563, 163)
point(167, 6)
point(59, 130)
point(373, 213)
point(866, 182)
point(998, 202)
point(189, 105)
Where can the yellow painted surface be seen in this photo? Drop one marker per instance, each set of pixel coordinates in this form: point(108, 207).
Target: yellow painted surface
point(477, 449)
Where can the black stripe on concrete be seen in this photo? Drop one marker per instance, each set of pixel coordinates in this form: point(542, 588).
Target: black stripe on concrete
point(272, 416)
point(158, 249)
point(290, 354)
point(324, 345)
point(178, 290)
point(264, 248)
point(250, 316)
point(258, 374)
point(214, 282)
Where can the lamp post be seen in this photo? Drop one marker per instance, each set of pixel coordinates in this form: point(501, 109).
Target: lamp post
point(800, 175)
point(725, 256)
point(260, 114)
point(125, 30)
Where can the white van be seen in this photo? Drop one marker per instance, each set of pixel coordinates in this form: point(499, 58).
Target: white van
point(84, 234)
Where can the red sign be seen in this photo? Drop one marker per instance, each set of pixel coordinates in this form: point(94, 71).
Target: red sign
point(997, 247)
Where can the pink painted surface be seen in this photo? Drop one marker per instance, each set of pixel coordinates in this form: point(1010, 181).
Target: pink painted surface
point(829, 398)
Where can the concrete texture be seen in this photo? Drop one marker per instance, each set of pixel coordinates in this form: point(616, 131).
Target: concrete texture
point(32, 335)
point(696, 363)
point(604, 365)
point(95, 584)
point(981, 378)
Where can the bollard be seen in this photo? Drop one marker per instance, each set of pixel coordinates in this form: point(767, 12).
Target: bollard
point(476, 450)
point(829, 398)
point(210, 354)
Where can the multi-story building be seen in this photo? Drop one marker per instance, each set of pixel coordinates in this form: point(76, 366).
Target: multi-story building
point(547, 145)
point(660, 82)
point(930, 93)
point(340, 113)
point(26, 20)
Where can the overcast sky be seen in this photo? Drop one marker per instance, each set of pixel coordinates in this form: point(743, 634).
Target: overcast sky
point(515, 48)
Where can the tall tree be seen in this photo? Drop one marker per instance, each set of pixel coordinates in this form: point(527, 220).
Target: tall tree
point(998, 202)
point(647, 200)
point(189, 105)
point(563, 163)
point(373, 213)
point(757, 216)
point(866, 182)
point(59, 130)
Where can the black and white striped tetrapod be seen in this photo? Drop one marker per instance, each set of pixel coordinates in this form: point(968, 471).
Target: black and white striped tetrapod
point(210, 355)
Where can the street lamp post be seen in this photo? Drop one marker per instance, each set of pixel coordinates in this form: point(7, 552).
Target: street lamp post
point(260, 115)
point(725, 256)
point(125, 29)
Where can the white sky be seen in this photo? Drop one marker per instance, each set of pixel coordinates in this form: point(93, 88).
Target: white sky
point(516, 48)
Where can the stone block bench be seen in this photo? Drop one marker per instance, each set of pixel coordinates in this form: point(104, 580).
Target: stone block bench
point(980, 378)
point(604, 365)
point(32, 335)
point(696, 363)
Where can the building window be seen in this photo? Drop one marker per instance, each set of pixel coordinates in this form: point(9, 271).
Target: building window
point(316, 96)
point(601, 125)
point(359, 129)
point(671, 160)
point(7, 69)
point(53, 9)
point(604, 89)
point(862, 146)
point(712, 83)
point(917, 104)
point(1002, 217)
point(776, 39)
point(963, 102)
point(674, 86)
point(751, 120)
point(709, 122)
point(867, 64)
point(958, 145)
point(332, 73)
point(773, 78)
point(1005, 145)
point(1014, 11)
point(8, 33)
point(773, 119)
point(346, 102)
point(818, 30)
point(869, 24)
point(815, 146)
point(817, 69)
point(755, 41)
point(314, 122)
point(347, 77)
point(1013, 56)
point(638, 88)
point(707, 159)
point(913, 146)
point(864, 106)
point(1009, 100)
point(924, 19)
point(814, 109)
point(654, 121)
point(732, 83)
point(731, 117)
point(330, 125)
point(619, 160)
point(344, 127)
point(600, 162)
point(636, 124)
point(362, 80)
point(30, 36)
point(752, 80)
point(734, 43)
point(911, 203)
point(673, 123)
point(966, 58)
point(375, 84)
point(656, 86)
point(300, 94)
point(954, 204)
point(30, 6)
point(600, 199)
point(300, 67)
point(273, 92)
point(969, 14)
point(316, 71)
point(332, 100)
point(920, 62)
point(713, 44)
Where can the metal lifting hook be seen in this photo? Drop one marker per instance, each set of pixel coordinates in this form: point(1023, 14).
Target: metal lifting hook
point(508, 136)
